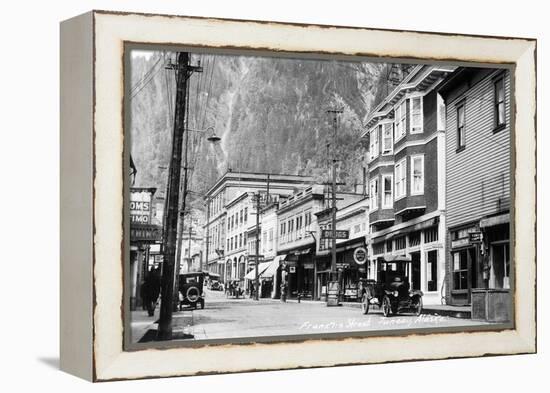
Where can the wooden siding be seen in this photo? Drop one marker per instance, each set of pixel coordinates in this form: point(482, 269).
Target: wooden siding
point(478, 177)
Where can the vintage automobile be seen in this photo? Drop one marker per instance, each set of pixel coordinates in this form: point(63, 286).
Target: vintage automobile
point(190, 287)
point(214, 282)
point(392, 290)
point(214, 285)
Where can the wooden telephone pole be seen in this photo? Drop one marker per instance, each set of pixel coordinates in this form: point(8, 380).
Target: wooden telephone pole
point(183, 71)
point(333, 270)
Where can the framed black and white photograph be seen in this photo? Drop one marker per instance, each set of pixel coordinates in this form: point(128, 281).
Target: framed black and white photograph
point(266, 196)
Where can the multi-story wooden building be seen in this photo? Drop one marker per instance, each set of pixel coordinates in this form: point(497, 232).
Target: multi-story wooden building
point(478, 160)
point(234, 187)
point(406, 171)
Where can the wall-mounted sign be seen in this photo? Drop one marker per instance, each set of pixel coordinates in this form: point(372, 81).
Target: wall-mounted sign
point(145, 233)
point(475, 237)
point(340, 234)
point(140, 206)
point(360, 255)
point(292, 269)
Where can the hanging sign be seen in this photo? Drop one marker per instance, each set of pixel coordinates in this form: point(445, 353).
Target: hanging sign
point(360, 255)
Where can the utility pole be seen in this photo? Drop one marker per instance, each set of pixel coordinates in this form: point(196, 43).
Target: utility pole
point(335, 113)
point(189, 244)
point(256, 269)
point(333, 270)
point(207, 235)
point(183, 72)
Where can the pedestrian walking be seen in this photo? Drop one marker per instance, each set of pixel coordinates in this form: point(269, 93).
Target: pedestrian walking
point(150, 291)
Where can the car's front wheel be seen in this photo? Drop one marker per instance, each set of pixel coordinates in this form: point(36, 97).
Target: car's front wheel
point(365, 304)
point(386, 306)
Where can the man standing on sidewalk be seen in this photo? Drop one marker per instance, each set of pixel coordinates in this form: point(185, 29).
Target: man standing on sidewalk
point(284, 278)
point(150, 291)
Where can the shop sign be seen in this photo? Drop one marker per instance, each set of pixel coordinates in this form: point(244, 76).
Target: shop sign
point(308, 265)
point(342, 265)
point(475, 237)
point(360, 255)
point(145, 233)
point(339, 234)
point(292, 269)
point(140, 207)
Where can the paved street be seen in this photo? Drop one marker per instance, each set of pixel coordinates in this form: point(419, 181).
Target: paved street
point(231, 318)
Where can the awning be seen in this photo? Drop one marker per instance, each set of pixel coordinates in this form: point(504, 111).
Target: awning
point(251, 275)
point(496, 220)
point(416, 227)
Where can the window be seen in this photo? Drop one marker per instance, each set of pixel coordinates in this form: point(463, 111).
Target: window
point(240, 240)
point(401, 179)
point(307, 219)
point(270, 239)
point(387, 190)
point(374, 194)
point(378, 248)
point(400, 243)
point(264, 240)
point(387, 138)
point(400, 115)
point(431, 235)
point(417, 175)
point(245, 214)
point(431, 271)
point(440, 113)
point(460, 130)
point(228, 248)
point(357, 228)
point(416, 115)
point(240, 217)
point(500, 121)
point(460, 270)
point(374, 146)
point(414, 239)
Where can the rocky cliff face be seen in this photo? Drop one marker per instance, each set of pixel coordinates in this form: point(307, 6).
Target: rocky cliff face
point(270, 113)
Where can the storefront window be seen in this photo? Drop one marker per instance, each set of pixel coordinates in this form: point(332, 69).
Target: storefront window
point(431, 270)
point(460, 270)
point(500, 276)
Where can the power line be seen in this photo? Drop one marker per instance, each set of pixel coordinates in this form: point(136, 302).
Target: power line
point(145, 76)
point(145, 85)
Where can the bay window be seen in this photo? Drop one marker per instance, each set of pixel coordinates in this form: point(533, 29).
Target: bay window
point(374, 145)
point(401, 179)
point(374, 194)
point(417, 175)
point(387, 191)
point(416, 115)
point(387, 138)
point(400, 116)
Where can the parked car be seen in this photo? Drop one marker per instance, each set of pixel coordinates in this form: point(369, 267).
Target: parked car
point(392, 290)
point(190, 287)
point(214, 285)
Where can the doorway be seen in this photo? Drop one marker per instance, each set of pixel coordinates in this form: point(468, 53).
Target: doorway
point(415, 270)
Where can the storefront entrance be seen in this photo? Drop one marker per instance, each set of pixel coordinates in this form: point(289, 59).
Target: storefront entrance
point(415, 270)
point(464, 274)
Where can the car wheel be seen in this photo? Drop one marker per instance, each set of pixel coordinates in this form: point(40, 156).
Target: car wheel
point(386, 306)
point(365, 304)
point(418, 306)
